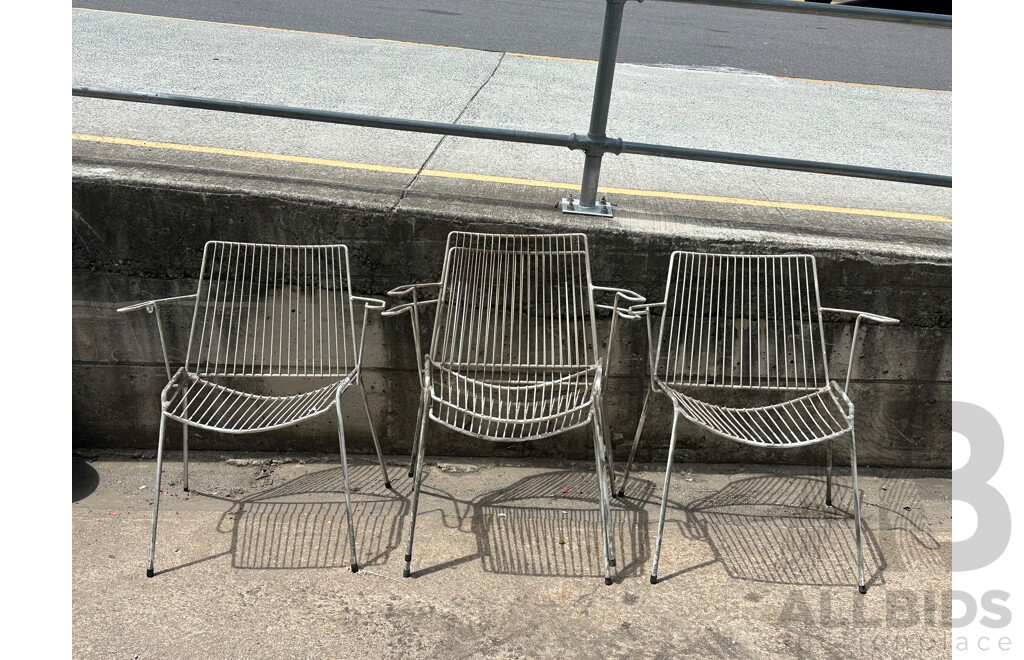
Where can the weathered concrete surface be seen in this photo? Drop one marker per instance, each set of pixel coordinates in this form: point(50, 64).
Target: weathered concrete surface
point(757, 114)
point(142, 212)
point(137, 237)
point(254, 563)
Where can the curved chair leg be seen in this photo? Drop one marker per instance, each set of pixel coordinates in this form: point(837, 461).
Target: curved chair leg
point(664, 495)
point(420, 446)
point(373, 432)
point(828, 473)
point(856, 513)
point(156, 493)
point(636, 441)
point(344, 474)
point(603, 495)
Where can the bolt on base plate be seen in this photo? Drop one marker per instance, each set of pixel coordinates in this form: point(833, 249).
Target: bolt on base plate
point(571, 205)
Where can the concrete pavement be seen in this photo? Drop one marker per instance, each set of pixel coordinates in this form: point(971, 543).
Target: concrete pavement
point(885, 127)
point(254, 562)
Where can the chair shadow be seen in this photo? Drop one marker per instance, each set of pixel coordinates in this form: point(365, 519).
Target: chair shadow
point(84, 479)
point(549, 525)
point(303, 523)
point(897, 508)
point(777, 529)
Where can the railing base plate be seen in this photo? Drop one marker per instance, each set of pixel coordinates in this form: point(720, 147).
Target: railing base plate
point(573, 206)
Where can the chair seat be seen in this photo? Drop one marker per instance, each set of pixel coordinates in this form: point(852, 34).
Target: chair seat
point(803, 420)
point(512, 406)
point(206, 404)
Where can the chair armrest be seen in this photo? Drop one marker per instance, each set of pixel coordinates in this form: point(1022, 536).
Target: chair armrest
point(152, 306)
point(627, 298)
point(416, 304)
point(406, 289)
point(407, 307)
point(877, 318)
point(148, 305)
point(644, 311)
point(369, 305)
point(645, 308)
point(621, 295)
point(372, 304)
point(859, 316)
point(413, 308)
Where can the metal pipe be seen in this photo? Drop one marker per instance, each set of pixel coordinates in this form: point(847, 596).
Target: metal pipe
point(840, 11)
point(571, 141)
point(748, 160)
point(602, 101)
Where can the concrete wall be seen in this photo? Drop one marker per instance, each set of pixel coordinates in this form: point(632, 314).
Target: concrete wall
point(134, 241)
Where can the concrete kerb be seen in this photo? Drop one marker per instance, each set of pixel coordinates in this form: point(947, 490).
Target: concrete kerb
point(139, 231)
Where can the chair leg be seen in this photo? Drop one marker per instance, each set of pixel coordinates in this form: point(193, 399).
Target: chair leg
point(664, 496)
point(184, 442)
point(856, 513)
point(348, 501)
point(420, 444)
point(636, 441)
point(373, 432)
point(603, 493)
point(184, 452)
point(156, 493)
point(828, 473)
point(609, 453)
point(415, 442)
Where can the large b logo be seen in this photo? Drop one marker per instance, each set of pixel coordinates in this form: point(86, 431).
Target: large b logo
point(970, 485)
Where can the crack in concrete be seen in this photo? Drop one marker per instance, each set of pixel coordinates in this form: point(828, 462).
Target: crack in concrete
point(437, 146)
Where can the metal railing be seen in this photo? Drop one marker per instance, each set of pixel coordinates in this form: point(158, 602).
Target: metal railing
point(595, 144)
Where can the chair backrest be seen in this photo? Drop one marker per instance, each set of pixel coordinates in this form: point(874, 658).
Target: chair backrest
point(514, 302)
point(747, 321)
point(273, 310)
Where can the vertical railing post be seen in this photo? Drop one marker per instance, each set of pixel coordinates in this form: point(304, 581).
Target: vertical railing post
point(587, 203)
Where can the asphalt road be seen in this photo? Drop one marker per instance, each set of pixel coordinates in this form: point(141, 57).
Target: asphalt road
point(652, 33)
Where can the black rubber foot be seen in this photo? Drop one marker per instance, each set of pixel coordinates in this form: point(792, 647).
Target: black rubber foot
point(186, 489)
point(355, 568)
point(828, 502)
point(612, 563)
point(410, 475)
point(620, 493)
point(387, 484)
point(608, 581)
point(149, 572)
point(654, 579)
point(405, 573)
point(863, 589)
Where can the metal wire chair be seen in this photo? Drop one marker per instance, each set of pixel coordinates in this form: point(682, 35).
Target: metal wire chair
point(514, 354)
point(264, 311)
point(751, 323)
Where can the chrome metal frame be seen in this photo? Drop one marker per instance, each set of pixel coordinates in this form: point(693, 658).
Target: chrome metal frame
point(749, 322)
point(264, 311)
point(514, 354)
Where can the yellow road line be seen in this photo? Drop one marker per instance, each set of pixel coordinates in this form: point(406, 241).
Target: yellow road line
point(171, 146)
point(244, 154)
point(540, 57)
